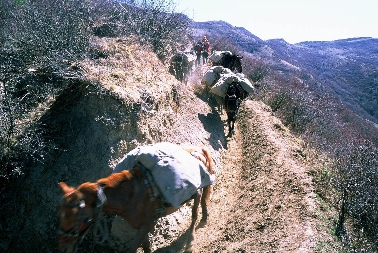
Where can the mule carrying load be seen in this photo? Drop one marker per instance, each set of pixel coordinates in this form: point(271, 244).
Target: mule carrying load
point(217, 78)
point(227, 60)
point(175, 174)
point(181, 64)
point(227, 88)
point(151, 181)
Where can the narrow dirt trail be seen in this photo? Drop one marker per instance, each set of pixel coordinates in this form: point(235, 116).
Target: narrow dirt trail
point(263, 198)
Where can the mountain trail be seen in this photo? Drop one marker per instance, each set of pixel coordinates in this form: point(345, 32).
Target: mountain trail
point(263, 198)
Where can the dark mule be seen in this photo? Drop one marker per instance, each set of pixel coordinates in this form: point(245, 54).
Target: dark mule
point(231, 104)
point(181, 66)
point(126, 194)
point(230, 61)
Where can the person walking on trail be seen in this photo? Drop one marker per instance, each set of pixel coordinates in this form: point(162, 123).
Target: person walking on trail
point(205, 49)
point(198, 51)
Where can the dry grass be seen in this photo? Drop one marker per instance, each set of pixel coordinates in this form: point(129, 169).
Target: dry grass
point(126, 68)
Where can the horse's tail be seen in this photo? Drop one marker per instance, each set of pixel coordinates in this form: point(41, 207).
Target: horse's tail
point(209, 161)
point(202, 154)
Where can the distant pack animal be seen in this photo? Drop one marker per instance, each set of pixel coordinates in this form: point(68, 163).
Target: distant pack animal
point(181, 65)
point(231, 105)
point(230, 61)
point(135, 192)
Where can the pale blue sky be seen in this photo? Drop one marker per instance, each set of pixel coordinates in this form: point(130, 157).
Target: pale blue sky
point(292, 20)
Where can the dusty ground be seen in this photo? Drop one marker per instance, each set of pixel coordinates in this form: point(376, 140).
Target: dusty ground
point(263, 200)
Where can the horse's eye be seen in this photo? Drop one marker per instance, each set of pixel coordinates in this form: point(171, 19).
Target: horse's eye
point(82, 204)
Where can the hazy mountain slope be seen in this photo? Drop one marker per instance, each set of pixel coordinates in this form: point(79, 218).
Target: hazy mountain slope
point(348, 68)
point(345, 68)
point(242, 37)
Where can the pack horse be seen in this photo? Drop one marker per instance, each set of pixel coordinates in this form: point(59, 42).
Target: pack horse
point(181, 65)
point(231, 104)
point(227, 60)
point(150, 182)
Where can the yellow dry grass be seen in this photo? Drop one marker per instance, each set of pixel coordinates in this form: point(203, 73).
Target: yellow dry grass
point(126, 68)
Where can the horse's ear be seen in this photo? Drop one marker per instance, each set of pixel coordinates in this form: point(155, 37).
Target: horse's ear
point(65, 188)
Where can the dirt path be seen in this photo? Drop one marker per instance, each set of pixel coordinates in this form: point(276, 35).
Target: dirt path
point(262, 201)
point(263, 197)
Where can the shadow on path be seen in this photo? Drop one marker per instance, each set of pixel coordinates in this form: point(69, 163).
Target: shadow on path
point(176, 246)
point(213, 124)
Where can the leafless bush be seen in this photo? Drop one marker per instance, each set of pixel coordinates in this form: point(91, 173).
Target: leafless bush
point(156, 23)
point(296, 107)
point(41, 38)
point(48, 33)
point(224, 44)
point(356, 178)
point(255, 70)
point(349, 177)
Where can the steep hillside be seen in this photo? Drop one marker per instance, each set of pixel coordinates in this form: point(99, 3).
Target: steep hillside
point(345, 68)
point(220, 29)
point(263, 199)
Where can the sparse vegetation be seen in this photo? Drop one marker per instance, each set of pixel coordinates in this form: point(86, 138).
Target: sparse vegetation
point(43, 41)
point(351, 161)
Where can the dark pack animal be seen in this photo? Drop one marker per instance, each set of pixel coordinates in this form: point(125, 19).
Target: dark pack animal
point(230, 61)
point(180, 66)
point(231, 104)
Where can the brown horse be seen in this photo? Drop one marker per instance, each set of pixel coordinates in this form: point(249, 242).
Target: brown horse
point(125, 194)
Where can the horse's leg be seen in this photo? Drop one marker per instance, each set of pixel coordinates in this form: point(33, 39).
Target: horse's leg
point(186, 74)
point(140, 239)
point(189, 244)
point(205, 198)
point(229, 126)
point(180, 74)
point(146, 244)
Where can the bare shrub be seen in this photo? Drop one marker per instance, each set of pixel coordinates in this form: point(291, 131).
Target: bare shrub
point(356, 179)
point(255, 70)
point(156, 23)
point(40, 39)
point(224, 44)
point(347, 147)
point(48, 34)
point(295, 106)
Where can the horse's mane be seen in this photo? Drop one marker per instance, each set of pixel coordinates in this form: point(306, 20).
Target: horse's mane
point(115, 179)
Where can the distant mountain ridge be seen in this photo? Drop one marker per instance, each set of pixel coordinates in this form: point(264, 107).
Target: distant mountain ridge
point(348, 68)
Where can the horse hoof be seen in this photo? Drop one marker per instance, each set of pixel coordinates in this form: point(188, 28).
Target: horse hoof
point(189, 250)
point(202, 223)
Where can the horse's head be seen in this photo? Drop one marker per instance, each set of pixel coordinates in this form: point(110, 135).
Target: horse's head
point(237, 63)
point(231, 61)
point(76, 213)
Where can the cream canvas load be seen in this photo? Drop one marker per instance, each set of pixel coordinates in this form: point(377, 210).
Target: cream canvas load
point(218, 78)
point(175, 172)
